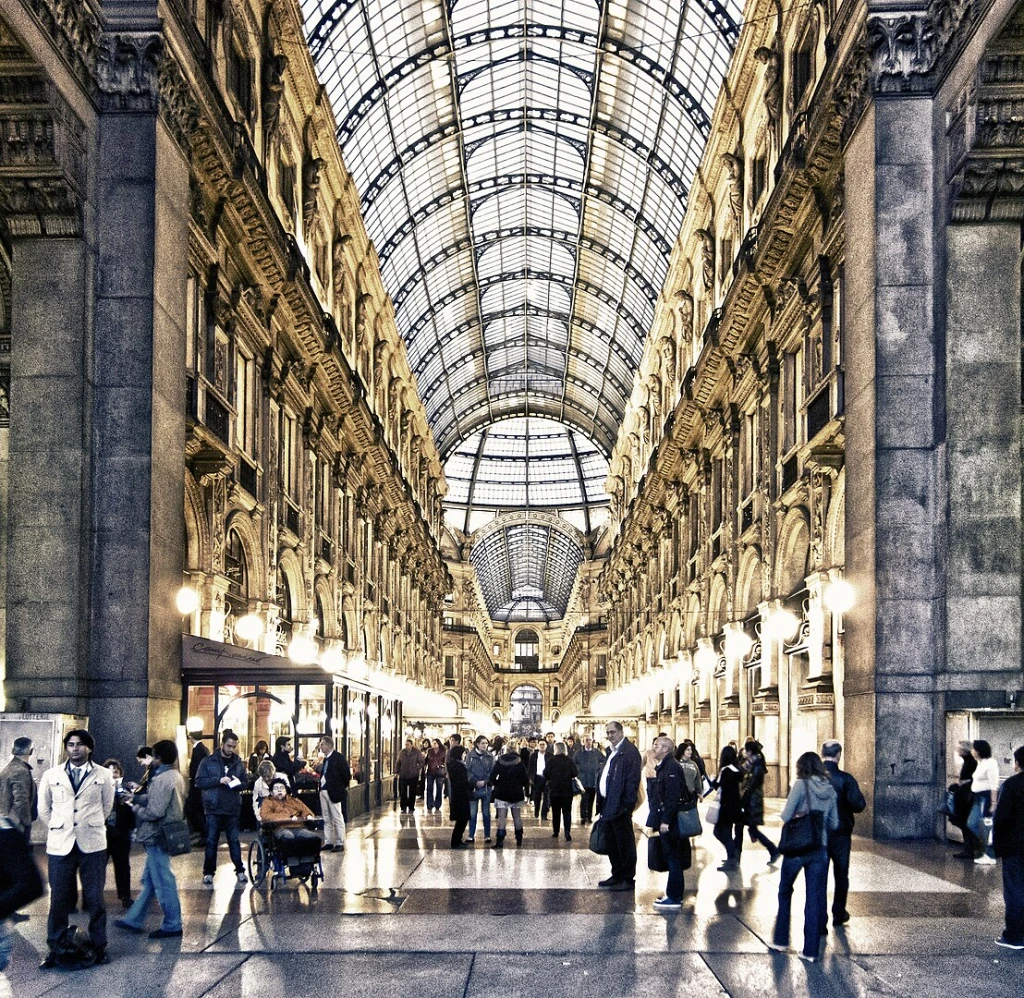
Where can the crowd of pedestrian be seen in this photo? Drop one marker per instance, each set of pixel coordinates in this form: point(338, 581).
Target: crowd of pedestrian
point(93, 814)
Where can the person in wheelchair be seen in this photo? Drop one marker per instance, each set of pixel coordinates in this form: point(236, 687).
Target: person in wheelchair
point(284, 817)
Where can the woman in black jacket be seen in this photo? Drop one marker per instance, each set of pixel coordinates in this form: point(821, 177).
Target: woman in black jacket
point(729, 827)
point(509, 781)
point(560, 773)
point(458, 795)
point(753, 798)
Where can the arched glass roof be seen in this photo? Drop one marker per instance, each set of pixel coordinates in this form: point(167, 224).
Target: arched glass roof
point(526, 567)
point(524, 168)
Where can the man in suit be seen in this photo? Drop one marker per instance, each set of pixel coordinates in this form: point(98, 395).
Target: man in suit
point(335, 777)
point(539, 759)
point(617, 791)
point(74, 801)
point(850, 801)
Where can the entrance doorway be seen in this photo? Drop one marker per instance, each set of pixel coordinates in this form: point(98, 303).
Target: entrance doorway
point(526, 712)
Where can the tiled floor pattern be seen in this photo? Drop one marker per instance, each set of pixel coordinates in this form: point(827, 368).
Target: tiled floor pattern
point(402, 914)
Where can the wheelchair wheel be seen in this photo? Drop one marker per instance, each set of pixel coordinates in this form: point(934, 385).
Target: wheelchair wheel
point(257, 862)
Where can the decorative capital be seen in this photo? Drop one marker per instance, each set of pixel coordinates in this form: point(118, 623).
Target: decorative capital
point(127, 70)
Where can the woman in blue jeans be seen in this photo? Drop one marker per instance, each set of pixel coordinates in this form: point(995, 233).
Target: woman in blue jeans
point(163, 801)
point(479, 764)
point(812, 791)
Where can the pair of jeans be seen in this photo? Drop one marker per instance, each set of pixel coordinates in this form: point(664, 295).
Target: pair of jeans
point(622, 847)
point(434, 783)
point(407, 792)
point(839, 856)
point(815, 867)
point(980, 810)
point(679, 858)
point(481, 795)
point(157, 881)
point(730, 834)
point(1013, 898)
point(62, 871)
point(561, 807)
point(228, 824)
point(587, 804)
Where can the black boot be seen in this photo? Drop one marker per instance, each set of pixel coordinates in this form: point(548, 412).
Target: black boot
point(499, 842)
point(519, 837)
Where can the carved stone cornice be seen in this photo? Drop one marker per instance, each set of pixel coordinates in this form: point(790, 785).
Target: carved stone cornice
point(74, 30)
point(178, 105)
point(128, 69)
point(907, 46)
point(42, 150)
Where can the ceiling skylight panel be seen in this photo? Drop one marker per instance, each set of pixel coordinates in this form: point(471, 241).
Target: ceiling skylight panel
point(554, 297)
point(602, 272)
point(652, 27)
point(472, 15)
point(662, 207)
point(500, 493)
point(399, 27)
point(403, 264)
point(349, 61)
point(559, 158)
point(508, 255)
point(508, 294)
point(636, 106)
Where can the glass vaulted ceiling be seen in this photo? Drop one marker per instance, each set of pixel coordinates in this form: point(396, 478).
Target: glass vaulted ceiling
point(524, 168)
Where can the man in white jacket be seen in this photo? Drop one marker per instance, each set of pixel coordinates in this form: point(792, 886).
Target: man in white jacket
point(74, 801)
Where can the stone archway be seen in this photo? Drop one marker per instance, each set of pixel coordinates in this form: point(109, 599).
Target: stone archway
point(526, 711)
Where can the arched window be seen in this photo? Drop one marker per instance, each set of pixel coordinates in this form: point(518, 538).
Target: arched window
point(527, 657)
point(236, 568)
point(285, 611)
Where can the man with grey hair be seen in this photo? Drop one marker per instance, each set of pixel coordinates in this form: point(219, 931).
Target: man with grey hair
point(18, 795)
point(850, 801)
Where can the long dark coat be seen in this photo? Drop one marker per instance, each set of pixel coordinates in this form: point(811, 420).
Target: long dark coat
point(753, 792)
point(458, 791)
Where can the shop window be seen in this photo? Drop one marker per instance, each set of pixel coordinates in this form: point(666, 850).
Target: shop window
point(201, 705)
point(237, 570)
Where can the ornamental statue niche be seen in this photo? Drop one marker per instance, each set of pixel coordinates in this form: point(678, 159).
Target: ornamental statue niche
point(734, 174)
point(769, 56)
point(707, 245)
point(311, 168)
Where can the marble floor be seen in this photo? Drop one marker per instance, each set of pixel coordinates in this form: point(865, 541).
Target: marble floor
point(402, 914)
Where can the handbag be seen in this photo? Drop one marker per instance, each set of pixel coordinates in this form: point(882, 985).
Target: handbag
point(177, 840)
point(803, 832)
point(688, 823)
point(948, 805)
point(577, 787)
point(657, 859)
point(714, 808)
point(599, 838)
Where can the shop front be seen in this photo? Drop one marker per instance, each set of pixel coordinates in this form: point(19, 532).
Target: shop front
point(264, 697)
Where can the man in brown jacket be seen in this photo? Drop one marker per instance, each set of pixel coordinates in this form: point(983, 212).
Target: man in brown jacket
point(18, 789)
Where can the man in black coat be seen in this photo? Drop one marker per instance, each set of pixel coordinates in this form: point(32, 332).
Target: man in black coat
point(458, 794)
point(536, 770)
point(335, 777)
point(617, 791)
point(1008, 845)
point(850, 801)
point(669, 796)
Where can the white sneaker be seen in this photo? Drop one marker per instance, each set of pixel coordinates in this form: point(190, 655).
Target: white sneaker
point(775, 947)
point(1001, 941)
point(985, 861)
point(243, 879)
point(207, 879)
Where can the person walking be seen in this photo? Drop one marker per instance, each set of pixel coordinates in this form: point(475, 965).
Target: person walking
point(335, 777)
point(668, 794)
point(194, 801)
point(458, 794)
point(984, 786)
point(752, 800)
point(729, 827)
point(617, 788)
point(508, 782)
point(435, 775)
point(410, 765)
point(849, 801)
point(162, 801)
point(74, 801)
point(19, 802)
point(561, 772)
point(479, 764)
point(963, 800)
point(589, 761)
point(1008, 845)
point(537, 771)
point(221, 777)
point(120, 825)
point(811, 791)
point(20, 883)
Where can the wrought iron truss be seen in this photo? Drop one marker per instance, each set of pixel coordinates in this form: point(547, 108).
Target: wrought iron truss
point(524, 167)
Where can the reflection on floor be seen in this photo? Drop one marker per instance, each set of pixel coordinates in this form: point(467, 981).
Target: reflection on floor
point(401, 913)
